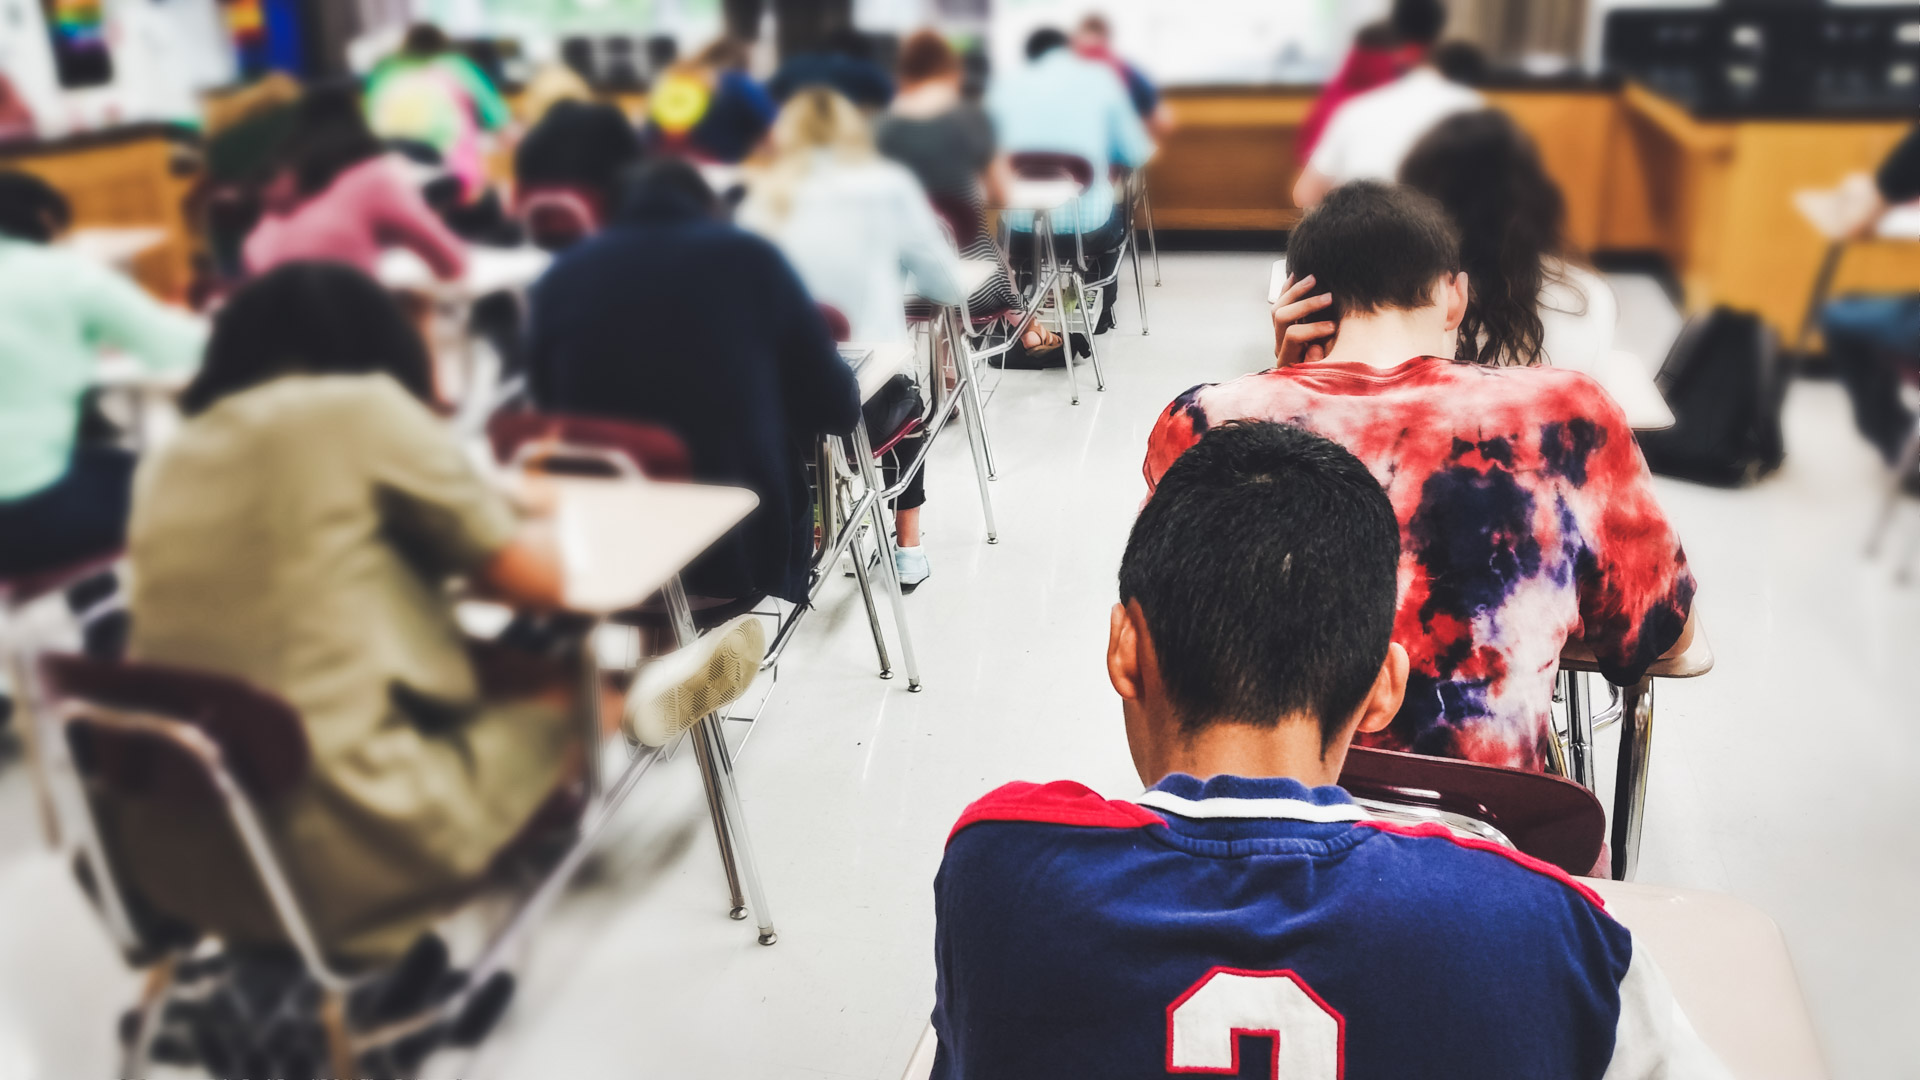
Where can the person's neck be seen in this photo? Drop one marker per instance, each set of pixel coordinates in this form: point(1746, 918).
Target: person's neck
point(923, 101)
point(1290, 748)
point(1389, 338)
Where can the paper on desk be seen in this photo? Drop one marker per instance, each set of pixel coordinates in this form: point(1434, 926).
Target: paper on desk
point(1837, 212)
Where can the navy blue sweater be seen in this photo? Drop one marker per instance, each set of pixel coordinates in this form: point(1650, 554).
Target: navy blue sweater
point(672, 318)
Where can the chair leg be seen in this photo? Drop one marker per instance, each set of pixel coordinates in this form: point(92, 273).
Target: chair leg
point(977, 443)
point(1139, 287)
point(1630, 782)
point(153, 999)
point(957, 342)
point(1146, 203)
point(1579, 729)
point(333, 1019)
point(710, 748)
point(1093, 347)
point(889, 573)
point(866, 589)
point(1906, 466)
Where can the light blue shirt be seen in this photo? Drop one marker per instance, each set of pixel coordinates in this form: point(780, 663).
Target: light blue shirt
point(1063, 104)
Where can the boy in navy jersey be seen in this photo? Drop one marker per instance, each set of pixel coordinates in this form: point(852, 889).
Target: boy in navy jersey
point(1242, 918)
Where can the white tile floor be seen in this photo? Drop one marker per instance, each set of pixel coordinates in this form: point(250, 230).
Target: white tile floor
point(1785, 776)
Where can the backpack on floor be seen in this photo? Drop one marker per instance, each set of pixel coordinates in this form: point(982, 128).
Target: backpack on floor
point(1725, 380)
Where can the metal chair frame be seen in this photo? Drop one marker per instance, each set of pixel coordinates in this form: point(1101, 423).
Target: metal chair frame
point(1048, 272)
point(1633, 705)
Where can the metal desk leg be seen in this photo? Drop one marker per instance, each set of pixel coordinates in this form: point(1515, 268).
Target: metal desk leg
point(1146, 202)
point(977, 443)
point(1630, 781)
point(1052, 262)
point(1579, 729)
point(587, 710)
point(870, 473)
point(831, 526)
point(723, 794)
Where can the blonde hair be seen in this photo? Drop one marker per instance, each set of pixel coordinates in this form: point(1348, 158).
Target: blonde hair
point(815, 119)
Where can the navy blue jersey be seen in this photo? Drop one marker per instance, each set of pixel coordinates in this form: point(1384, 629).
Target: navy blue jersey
point(1256, 928)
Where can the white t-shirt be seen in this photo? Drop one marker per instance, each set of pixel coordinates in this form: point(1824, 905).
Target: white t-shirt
point(1372, 133)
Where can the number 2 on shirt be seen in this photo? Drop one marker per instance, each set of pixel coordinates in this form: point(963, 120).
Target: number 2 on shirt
point(1204, 1025)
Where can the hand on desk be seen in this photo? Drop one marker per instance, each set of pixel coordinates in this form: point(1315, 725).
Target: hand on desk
point(527, 572)
point(1296, 341)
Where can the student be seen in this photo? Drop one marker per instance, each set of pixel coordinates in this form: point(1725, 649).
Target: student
point(1527, 302)
point(949, 145)
point(709, 108)
point(432, 94)
point(1244, 904)
point(1093, 40)
point(581, 147)
point(854, 224)
point(62, 502)
point(298, 533)
point(843, 63)
point(1061, 103)
point(1527, 514)
point(671, 316)
point(1874, 339)
point(1370, 135)
point(1382, 52)
point(337, 197)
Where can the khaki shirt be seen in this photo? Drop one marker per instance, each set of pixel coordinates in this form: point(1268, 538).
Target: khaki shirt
point(299, 535)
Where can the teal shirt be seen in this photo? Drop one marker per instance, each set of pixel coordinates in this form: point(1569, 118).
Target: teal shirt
point(1067, 105)
point(58, 309)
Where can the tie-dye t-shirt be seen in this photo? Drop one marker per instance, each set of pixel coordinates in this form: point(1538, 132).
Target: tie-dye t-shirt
point(1527, 517)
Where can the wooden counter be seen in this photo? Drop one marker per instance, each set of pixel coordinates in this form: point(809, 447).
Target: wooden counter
point(133, 177)
point(1640, 174)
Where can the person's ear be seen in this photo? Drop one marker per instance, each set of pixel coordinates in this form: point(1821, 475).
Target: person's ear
point(1389, 690)
point(1123, 654)
point(1454, 298)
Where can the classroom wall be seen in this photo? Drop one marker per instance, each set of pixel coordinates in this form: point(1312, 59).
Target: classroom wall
point(164, 53)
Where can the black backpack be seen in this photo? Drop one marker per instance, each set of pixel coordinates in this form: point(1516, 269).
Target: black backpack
point(1725, 380)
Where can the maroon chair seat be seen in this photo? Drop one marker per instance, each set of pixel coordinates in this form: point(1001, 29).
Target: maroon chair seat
point(1047, 165)
point(26, 588)
point(1548, 817)
point(655, 451)
point(558, 216)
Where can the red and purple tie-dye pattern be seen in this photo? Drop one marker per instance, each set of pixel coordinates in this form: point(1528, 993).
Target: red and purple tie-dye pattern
point(1527, 517)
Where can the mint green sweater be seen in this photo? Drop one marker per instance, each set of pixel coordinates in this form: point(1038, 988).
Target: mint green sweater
point(58, 309)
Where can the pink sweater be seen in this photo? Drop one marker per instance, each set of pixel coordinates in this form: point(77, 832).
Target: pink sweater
point(367, 208)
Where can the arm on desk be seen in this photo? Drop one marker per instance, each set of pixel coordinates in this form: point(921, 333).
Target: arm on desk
point(402, 217)
point(527, 571)
point(117, 312)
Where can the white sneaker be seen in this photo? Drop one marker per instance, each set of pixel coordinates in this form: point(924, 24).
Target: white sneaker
point(912, 565)
point(674, 692)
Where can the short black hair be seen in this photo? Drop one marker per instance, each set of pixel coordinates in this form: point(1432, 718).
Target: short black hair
point(1418, 22)
point(1462, 62)
point(316, 318)
point(1045, 40)
point(32, 209)
point(668, 183)
point(1266, 565)
point(1374, 246)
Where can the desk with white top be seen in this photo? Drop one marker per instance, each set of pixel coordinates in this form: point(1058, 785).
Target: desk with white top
point(116, 246)
point(489, 270)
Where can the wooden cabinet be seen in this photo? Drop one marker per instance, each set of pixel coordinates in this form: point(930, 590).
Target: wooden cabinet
point(132, 177)
point(1639, 173)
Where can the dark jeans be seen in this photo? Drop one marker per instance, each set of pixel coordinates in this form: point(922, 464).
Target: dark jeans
point(80, 516)
point(1874, 342)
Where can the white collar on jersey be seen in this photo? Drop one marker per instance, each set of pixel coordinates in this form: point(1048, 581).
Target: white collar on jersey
point(1225, 807)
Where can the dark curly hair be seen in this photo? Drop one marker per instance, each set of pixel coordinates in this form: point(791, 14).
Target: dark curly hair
point(1511, 216)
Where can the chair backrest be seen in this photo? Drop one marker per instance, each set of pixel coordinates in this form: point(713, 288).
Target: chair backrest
point(1047, 165)
point(556, 217)
point(261, 740)
point(837, 324)
point(1548, 817)
point(656, 452)
point(961, 215)
point(26, 588)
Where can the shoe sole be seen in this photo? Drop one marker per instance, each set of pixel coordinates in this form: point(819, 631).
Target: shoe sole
point(658, 714)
